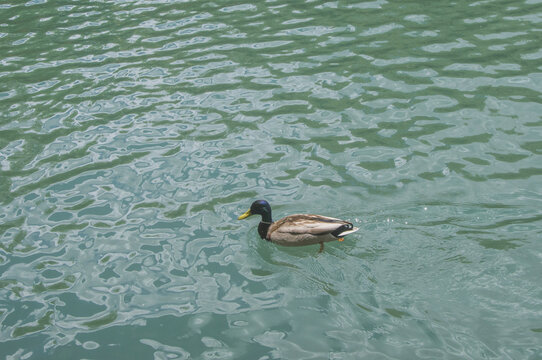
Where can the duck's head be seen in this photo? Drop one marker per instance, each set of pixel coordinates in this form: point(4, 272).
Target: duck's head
point(258, 207)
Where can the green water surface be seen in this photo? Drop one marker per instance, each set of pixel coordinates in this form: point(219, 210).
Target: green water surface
point(133, 133)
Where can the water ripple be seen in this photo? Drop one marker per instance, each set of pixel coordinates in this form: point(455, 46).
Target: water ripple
point(133, 133)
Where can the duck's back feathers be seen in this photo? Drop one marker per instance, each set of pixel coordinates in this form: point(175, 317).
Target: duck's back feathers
point(307, 223)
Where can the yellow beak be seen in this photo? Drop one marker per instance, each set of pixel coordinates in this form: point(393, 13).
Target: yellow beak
point(245, 215)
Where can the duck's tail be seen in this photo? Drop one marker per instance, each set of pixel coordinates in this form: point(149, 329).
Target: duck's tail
point(344, 233)
point(344, 230)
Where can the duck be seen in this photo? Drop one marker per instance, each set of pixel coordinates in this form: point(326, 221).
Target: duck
point(298, 229)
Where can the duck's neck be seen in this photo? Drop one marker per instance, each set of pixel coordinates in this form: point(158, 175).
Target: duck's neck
point(266, 217)
point(264, 224)
point(262, 229)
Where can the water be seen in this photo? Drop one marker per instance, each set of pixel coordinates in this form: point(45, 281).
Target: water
point(133, 133)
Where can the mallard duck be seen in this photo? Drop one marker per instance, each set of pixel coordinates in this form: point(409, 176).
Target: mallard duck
point(298, 229)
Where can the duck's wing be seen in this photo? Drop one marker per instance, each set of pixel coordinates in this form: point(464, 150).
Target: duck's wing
point(308, 224)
